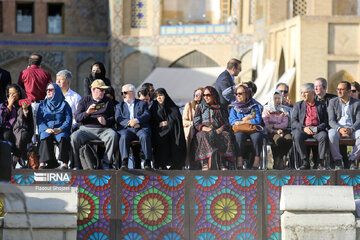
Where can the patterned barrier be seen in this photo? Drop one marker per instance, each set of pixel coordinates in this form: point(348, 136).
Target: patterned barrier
point(174, 205)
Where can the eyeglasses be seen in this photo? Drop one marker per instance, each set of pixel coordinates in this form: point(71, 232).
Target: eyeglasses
point(239, 93)
point(50, 89)
point(353, 90)
point(207, 95)
point(284, 91)
point(103, 90)
point(197, 94)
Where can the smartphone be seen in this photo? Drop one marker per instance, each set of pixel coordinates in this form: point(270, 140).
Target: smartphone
point(314, 129)
point(99, 105)
point(27, 100)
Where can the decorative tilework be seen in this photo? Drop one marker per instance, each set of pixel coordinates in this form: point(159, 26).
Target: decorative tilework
point(138, 13)
point(94, 203)
point(81, 56)
point(152, 207)
point(195, 29)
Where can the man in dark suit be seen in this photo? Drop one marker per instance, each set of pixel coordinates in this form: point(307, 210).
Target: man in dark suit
point(5, 79)
point(309, 119)
point(226, 79)
point(344, 120)
point(133, 117)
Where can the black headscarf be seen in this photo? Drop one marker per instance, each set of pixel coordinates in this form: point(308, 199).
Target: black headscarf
point(88, 80)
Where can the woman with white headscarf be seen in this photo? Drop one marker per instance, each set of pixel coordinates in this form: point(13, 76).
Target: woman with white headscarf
point(277, 117)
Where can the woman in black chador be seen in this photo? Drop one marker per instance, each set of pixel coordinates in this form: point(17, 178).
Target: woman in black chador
point(168, 138)
point(97, 72)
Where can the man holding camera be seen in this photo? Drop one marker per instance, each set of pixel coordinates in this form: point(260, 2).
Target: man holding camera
point(344, 120)
point(309, 119)
point(96, 114)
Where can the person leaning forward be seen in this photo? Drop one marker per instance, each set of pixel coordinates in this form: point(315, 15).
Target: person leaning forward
point(96, 114)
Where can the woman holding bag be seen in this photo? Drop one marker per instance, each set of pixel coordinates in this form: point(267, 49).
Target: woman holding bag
point(213, 136)
point(245, 118)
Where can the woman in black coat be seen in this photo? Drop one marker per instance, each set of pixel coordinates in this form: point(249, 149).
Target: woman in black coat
point(97, 72)
point(168, 137)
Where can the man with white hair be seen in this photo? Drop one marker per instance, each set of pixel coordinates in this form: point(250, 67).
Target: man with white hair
point(309, 119)
point(63, 79)
point(133, 120)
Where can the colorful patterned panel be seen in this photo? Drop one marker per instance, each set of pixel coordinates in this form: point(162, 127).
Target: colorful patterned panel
point(225, 207)
point(351, 180)
point(138, 13)
point(272, 201)
point(94, 202)
point(152, 207)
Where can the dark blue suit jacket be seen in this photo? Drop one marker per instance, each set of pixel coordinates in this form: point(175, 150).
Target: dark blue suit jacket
point(223, 81)
point(141, 113)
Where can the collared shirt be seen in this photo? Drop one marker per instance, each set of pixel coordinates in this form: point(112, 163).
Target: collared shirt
point(131, 109)
point(311, 116)
point(34, 81)
point(72, 98)
point(345, 120)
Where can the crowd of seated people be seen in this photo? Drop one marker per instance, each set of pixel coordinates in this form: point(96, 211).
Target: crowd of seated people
point(222, 127)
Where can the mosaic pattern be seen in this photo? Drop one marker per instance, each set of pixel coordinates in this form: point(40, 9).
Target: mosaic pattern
point(152, 207)
point(352, 180)
point(272, 201)
point(94, 203)
point(225, 207)
point(138, 13)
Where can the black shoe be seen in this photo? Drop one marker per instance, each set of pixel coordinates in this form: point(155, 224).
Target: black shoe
point(147, 165)
point(64, 168)
point(42, 167)
point(338, 165)
point(124, 164)
point(305, 165)
point(353, 166)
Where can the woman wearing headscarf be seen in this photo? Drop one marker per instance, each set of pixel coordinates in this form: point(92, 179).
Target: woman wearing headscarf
point(277, 117)
point(54, 119)
point(97, 72)
point(188, 119)
point(213, 136)
point(168, 138)
point(245, 111)
point(16, 124)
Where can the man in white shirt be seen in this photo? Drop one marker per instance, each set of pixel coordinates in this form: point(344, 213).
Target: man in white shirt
point(63, 79)
point(344, 120)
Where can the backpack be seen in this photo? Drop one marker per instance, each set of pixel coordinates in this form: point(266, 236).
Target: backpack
point(89, 158)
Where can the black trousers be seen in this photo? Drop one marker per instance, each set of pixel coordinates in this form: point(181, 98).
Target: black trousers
point(18, 151)
point(47, 153)
point(321, 137)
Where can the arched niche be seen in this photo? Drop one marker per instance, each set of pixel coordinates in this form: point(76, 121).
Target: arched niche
point(281, 65)
point(136, 67)
point(83, 71)
point(339, 76)
point(194, 59)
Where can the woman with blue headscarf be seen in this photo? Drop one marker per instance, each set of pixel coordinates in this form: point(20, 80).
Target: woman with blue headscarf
point(54, 119)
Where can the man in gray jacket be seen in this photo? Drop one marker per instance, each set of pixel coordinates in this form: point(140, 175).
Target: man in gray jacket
point(344, 120)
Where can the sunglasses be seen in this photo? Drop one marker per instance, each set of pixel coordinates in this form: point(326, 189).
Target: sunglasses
point(284, 91)
point(239, 93)
point(126, 92)
point(353, 90)
point(50, 89)
point(103, 90)
point(207, 95)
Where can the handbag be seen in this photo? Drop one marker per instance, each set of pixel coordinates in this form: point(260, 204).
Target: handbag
point(247, 128)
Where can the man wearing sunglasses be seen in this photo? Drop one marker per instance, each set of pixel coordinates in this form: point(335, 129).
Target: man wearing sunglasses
point(344, 120)
point(284, 89)
point(320, 85)
point(96, 114)
point(133, 120)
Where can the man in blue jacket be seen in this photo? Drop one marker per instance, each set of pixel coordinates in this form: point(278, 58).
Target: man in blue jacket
point(133, 117)
point(226, 79)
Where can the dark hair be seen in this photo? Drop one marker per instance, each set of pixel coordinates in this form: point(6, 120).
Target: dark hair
point(282, 84)
point(147, 85)
point(252, 86)
point(356, 85)
point(35, 59)
point(233, 63)
point(143, 91)
point(17, 87)
point(348, 85)
point(110, 91)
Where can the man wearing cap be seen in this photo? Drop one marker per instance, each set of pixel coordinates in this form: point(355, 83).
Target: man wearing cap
point(96, 114)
